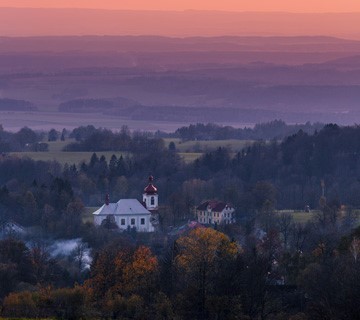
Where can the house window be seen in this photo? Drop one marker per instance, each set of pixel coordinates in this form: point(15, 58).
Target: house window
point(122, 222)
point(142, 221)
point(152, 201)
point(132, 221)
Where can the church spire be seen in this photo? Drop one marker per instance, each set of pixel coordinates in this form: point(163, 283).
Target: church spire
point(150, 195)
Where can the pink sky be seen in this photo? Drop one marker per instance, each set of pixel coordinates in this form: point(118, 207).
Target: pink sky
point(228, 5)
point(39, 22)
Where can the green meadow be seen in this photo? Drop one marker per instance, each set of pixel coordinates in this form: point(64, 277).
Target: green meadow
point(66, 157)
point(200, 146)
point(299, 216)
point(189, 151)
point(55, 153)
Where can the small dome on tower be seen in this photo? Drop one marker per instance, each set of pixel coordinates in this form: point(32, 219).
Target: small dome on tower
point(150, 188)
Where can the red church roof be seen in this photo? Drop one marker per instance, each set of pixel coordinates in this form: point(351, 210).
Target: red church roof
point(150, 189)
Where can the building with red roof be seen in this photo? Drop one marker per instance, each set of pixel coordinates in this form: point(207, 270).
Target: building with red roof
point(131, 213)
point(215, 212)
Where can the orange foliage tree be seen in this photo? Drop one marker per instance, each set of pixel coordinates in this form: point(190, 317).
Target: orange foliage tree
point(202, 256)
point(117, 277)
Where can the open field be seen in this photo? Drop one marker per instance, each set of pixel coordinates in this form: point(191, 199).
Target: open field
point(189, 157)
point(57, 146)
point(300, 216)
point(208, 145)
point(66, 157)
point(189, 151)
point(55, 153)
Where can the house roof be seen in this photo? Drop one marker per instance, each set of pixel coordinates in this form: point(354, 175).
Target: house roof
point(214, 205)
point(122, 207)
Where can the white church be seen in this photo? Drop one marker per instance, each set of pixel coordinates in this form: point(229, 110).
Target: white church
point(130, 213)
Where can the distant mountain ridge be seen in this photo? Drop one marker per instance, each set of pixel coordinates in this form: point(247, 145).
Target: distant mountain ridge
point(61, 44)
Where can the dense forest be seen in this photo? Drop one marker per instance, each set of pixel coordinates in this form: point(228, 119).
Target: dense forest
point(266, 266)
point(276, 129)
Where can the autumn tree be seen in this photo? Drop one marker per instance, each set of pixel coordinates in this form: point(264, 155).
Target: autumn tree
point(140, 275)
point(15, 265)
point(119, 276)
point(202, 254)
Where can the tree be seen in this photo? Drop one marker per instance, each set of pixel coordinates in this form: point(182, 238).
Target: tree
point(172, 146)
point(123, 272)
point(63, 134)
point(285, 223)
point(80, 255)
point(140, 275)
point(53, 135)
point(26, 136)
point(201, 254)
point(20, 304)
point(15, 265)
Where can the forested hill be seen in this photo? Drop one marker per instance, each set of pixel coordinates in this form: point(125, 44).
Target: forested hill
point(295, 167)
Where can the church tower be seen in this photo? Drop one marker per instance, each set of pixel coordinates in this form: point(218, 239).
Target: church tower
point(150, 196)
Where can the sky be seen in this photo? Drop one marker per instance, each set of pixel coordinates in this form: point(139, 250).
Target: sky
point(153, 17)
point(225, 5)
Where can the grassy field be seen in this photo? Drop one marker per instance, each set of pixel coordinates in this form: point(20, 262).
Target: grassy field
point(55, 153)
point(207, 145)
point(189, 157)
point(58, 146)
point(189, 151)
point(67, 157)
point(300, 216)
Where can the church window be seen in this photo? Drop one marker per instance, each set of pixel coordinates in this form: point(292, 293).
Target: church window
point(122, 222)
point(132, 221)
point(142, 221)
point(152, 201)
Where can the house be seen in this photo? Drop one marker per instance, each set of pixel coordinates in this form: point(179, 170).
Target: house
point(130, 213)
point(215, 212)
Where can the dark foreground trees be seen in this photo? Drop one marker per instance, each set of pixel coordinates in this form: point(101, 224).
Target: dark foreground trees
point(201, 275)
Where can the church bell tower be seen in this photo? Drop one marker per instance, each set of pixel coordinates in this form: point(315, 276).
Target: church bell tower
point(150, 196)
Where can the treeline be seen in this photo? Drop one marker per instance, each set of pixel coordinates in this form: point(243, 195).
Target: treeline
point(295, 167)
point(23, 140)
point(16, 105)
point(99, 139)
point(276, 129)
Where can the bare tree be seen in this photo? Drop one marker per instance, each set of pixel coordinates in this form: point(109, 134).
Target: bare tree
point(355, 248)
point(79, 254)
point(285, 223)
